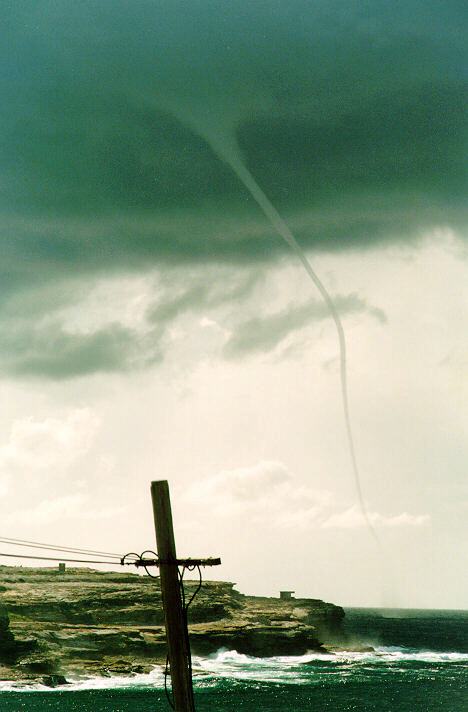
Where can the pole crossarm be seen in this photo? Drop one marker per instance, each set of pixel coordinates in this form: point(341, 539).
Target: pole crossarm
point(187, 563)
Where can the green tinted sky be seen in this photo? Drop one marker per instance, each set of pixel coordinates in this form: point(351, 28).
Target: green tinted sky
point(151, 321)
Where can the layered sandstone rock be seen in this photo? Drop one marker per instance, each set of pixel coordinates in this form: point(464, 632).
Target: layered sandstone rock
point(86, 622)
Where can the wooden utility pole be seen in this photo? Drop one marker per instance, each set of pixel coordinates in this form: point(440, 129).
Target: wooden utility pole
point(176, 632)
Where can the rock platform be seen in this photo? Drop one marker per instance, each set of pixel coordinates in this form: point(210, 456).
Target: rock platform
point(87, 623)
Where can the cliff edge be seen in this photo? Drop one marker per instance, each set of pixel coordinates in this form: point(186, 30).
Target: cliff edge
point(83, 622)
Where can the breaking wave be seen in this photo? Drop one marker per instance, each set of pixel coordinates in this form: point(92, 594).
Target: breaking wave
point(311, 668)
point(153, 680)
point(228, 664)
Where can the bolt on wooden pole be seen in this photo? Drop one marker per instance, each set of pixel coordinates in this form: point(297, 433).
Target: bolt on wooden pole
point(176, 633)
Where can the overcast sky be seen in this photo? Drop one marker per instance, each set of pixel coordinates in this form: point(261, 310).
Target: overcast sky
point(153, 325)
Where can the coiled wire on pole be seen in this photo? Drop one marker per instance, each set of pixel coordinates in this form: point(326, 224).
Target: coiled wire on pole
point(139, 560)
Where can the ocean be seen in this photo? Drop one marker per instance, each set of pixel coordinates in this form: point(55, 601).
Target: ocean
point(419, 664)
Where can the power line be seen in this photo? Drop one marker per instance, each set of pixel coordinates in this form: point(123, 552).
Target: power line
point(53, 558)
point(56, 547)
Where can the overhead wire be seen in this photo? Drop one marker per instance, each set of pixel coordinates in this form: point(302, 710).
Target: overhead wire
point(56, 558)
point(55, 547)
point(132, 558)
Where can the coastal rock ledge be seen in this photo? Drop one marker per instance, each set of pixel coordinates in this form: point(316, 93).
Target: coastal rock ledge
point(83, 622)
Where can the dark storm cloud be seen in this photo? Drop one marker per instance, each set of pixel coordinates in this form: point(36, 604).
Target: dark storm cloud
point(203, 293)
point(51, 352)
point(37, 341)
point(264, 333)
point(350, 115)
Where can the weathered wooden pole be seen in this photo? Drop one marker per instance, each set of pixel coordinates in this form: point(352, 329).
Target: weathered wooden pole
point(176, 635)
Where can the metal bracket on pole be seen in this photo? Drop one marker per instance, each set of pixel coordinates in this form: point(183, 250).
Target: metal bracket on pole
point(145, 563)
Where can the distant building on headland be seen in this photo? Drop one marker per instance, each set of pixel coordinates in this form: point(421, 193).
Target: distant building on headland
point(286, 595)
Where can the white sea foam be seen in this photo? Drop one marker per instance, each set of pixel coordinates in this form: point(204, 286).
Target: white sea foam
point(225, 658)
point(153, 679)
point(429, 656)
point(294, 669)
point(228, 664)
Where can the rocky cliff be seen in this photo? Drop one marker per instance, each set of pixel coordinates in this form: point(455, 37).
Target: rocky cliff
point(86, 622)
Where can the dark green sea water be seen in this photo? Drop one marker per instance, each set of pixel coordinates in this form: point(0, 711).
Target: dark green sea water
point(420, 664)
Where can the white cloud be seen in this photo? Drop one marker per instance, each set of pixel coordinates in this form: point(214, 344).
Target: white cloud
point(4, 485)
point(50, 444)
point(267, 492)
point(207, 323)
point(50, 510)
point(122, 300)
point(352, 518)
point(249, 483)
point(54, 509)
